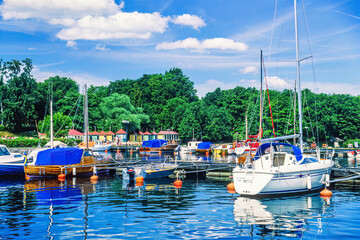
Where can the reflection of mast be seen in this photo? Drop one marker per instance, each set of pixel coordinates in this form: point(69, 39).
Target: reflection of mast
point(86, 214)
point(86, 118)
point(48, 230)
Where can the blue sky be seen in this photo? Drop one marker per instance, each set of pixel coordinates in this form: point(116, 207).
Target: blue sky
point(215, 42)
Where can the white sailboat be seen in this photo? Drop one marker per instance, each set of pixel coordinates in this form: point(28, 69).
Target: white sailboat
point(282, 168)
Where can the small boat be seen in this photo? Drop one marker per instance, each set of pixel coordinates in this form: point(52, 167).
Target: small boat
point(149, 171)
point(68, 161)
point(191, 147)
point(156, 146)
point(204, 147)
point(10, 163)
point(246, 149)
point(56, 160)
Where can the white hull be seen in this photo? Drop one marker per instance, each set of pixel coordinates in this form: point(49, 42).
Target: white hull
point(290, 179)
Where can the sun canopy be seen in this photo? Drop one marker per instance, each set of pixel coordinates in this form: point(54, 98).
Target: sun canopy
point(154, 143)
point(204, 145)
point(261, 150)
point(59, 156)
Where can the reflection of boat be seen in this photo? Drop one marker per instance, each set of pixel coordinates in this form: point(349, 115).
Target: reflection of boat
point(157, 145)
point(282, 217)
point(150, 171)
point(10, 163)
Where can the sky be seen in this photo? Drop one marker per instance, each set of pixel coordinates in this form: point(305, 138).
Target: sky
point(215, 42)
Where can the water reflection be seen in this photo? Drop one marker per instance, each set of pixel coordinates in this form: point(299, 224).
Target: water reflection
point(280, 217)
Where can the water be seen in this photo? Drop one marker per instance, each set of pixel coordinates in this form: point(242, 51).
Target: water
point(201, 209)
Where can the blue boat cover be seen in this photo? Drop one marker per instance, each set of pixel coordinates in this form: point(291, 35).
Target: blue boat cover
point(154, 143)
point(262, 148)
point(59, 156)
point(204, 145)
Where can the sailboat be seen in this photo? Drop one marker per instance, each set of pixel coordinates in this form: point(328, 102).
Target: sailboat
point(282, 168)
point(58, 160)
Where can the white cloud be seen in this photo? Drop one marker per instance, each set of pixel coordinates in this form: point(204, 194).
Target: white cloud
point(55, 9)
point(193, 43)
point(119, 26)
point(101, 47)
point(211, 85)
point(94, 19)
point(249, 69)
point(275, 82)
point(80, 78)
point(189, 20)
point(71, 44)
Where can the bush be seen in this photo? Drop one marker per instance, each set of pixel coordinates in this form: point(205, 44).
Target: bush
point(34, 142)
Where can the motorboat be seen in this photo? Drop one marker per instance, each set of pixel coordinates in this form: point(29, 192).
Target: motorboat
point(10, 163)
point(149, 170)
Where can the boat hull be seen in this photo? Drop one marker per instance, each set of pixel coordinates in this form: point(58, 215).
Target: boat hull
point(11, 169)
point(86, 166)
point(166, 148)
point(249, 182)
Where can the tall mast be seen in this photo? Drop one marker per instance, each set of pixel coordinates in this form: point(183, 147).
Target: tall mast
point(261, 95)
point(295, 112)
point(51, 117)
point(298, 78)
point(86, 118)
point(246, 126)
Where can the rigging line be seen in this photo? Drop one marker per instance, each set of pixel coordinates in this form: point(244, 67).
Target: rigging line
point(67, 116)
point(314, 75)
point(272, 30)
point(267, 89)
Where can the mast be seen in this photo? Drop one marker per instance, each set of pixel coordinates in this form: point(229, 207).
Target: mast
point(246, 126)
point(298, 77)
point(261, 95)
point(51, 118)
point(86, 118)
point(295, 113)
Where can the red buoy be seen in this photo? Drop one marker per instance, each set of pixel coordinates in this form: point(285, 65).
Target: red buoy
point(139, 179)
point(27, 178)
point(94, 178)
point(231, 187)
point(61, 177)
point(207, 154)
point(178, 183)
point(326, 193)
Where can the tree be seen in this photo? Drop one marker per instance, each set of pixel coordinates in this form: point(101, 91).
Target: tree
point(62, 124)
point(117, 108)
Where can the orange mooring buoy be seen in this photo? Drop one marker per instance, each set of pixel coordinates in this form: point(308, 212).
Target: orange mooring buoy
point(159, 152)
point(178, 183)
point(118, 151)
point(106, 151)
point(231, 187)
point(326, 193)
point(139, 179)
point(207, 154)
point(61, 177)
point(131, 152)
point(94, 178)
point(27, 178)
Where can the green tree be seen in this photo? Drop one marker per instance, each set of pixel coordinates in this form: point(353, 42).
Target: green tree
point(61, 123)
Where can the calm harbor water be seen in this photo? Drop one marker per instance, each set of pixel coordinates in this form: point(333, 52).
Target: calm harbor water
point(201, 209)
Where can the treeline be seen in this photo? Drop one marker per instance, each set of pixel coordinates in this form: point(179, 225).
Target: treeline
point(167, 101)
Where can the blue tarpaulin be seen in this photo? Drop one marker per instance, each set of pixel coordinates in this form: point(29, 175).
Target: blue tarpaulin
point(204, 145)
point(59, 156)
point(262, 149)
point(154, 143)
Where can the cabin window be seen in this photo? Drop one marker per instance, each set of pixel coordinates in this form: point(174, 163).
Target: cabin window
point(278, 159)
point(4, 151)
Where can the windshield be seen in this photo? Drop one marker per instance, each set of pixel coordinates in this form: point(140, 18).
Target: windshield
point(4, 151)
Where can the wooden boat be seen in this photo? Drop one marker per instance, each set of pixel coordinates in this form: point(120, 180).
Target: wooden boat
point(157, 145)
point(68, 161)
point(204, 147)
